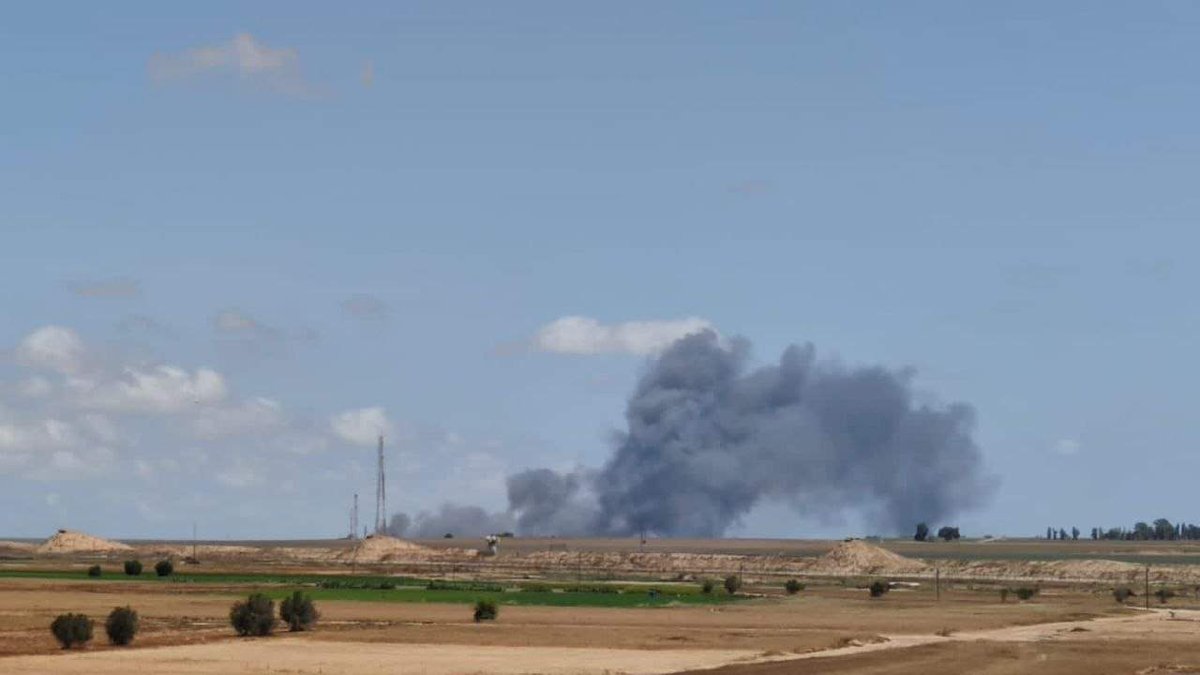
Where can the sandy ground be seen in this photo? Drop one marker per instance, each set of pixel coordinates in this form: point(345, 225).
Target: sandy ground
point(298, 655)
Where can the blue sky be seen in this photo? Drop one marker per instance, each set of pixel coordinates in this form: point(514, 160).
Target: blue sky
point(377, 208)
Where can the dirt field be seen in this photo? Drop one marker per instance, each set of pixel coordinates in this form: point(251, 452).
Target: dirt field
point(830, 627)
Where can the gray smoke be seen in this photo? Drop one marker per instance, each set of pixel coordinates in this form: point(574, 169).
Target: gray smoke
point(459, 520)
point(708, 439)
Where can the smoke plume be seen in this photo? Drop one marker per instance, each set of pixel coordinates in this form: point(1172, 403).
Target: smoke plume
point(708, 439)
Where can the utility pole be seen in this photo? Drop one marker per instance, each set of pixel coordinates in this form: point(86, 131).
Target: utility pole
point(1147, 593)
point(354, 519)
point(380, 494)
point(937, 584)
point(194, 541)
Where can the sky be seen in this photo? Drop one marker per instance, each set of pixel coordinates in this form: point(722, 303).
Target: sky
point(240, 240)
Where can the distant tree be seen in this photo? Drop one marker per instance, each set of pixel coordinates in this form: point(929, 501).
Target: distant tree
point(253, 616)
point(707, 587)
point(793, 587)
point(1121, 594)
point(1163, 529)
point(163, 568)
point(121, 625)
point(1164, 594)
point(948, 533)
point(1142, 531)
point(133, 567)
point(733, 583)
point(71, 629)
point(1025, 592)
point(1095, 533)
point(486, 610)
point(1075, 534)
point(1049, 533)
point(94, 571)
point(878, 588)
point(298, 612)
point(922, 532)
point(1062, 534)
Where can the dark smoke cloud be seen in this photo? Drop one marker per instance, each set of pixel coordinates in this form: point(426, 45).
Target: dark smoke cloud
point(459, 520)
point(708, 439)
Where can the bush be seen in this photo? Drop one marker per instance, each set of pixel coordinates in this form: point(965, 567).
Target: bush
point(707, 587)
point(94, 571)
point(1164, 594)
point(163, 568)
point(878, 588)
point(133, 567)
point(71, 629)
point(1004, 594)
point(793, 587)
point(253, 616)
point(298, 612)
point(486, 610)
point(733, 583)
point(121, 625)
point(1025, 592)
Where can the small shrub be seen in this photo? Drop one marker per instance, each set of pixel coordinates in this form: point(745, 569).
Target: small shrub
point(707, 587)
point(121, 625)
point(298, 612)
point(733, 583)
point(1164, 594)
point(1004, 595)
point(133, 567)
point(878, 588)
point(486, 610)
point(1122, 594)
point(253, 616)
point(793, 587)
point(163, 568)
point(1025, 592)
point(71, 629)
point(94, 571)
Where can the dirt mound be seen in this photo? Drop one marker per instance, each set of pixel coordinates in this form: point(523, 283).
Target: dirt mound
point(66, 541)
point(859, 558)
point(385, 549)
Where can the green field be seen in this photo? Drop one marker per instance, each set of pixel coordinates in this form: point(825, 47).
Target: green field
point(410, 589)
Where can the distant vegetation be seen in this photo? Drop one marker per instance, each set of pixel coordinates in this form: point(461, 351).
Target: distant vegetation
point(94, 571)
point(945, 533)
point(164, 568)
point(733, 583)
point(133, 567)
point(121, 625)
point(1159, 530)
point(878, 589)
point(253, 616)
point(71, 630)
point(298, 612)
point(486, 610)
point(793, 587)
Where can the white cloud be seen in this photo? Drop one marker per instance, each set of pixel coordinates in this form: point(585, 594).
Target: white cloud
point(243, 56)
point(584, 335)
point(160, 389)
point(1066, 446)
point(238, 475)
point(256, 416)
point(35, 387)
point(362, 426)
point(52, 348)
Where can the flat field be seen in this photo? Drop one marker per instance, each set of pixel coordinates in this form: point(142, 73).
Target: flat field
point(381, 618)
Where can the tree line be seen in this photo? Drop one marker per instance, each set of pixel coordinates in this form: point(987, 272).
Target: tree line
point(1159, 530)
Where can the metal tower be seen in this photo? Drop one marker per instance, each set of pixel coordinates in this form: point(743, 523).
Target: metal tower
point(380, 494)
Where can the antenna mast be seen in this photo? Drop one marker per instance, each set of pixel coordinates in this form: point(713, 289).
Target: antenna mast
point(380, 494)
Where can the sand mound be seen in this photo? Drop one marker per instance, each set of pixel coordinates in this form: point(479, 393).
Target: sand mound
point(66, 541)
point(384, 549)
point(859, 557)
